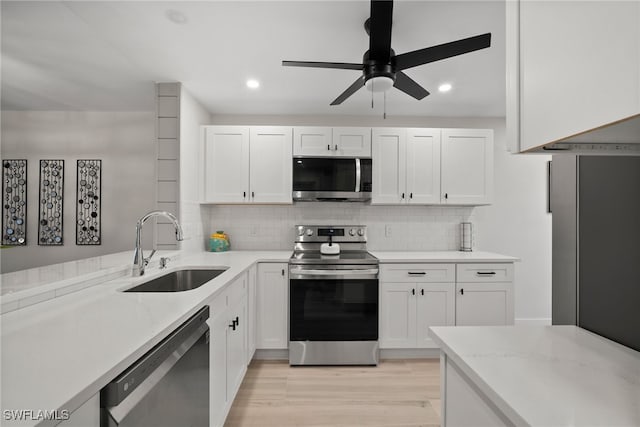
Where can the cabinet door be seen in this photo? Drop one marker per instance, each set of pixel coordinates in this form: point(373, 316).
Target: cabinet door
point(251, 311)
point(565, 55)
point(226, 170)
point(352, 141)
point(467, 166)
point(313, 141)
point(484, 304)
point(272, 297)
point(389, 166)
point(423, 166)
point(236, 346)
point(218, 325)
point(397, 315)
point(436, 305)
point(270, 165)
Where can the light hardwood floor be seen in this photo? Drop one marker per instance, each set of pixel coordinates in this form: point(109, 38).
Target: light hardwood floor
point(395, 393)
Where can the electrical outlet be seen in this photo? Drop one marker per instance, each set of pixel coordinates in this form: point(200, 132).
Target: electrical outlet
point(387, 230)
point(253, 230)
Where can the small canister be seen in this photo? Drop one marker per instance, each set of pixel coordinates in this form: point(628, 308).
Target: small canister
point(219, 242)
point(466, 236)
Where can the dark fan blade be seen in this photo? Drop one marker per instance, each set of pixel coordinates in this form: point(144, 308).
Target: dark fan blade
point(409, 86)
point(380, 30)
point(442, 51)
point(340, 65)
point(350, 91)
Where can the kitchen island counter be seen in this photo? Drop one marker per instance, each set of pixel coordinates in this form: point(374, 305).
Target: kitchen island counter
point(536, 376)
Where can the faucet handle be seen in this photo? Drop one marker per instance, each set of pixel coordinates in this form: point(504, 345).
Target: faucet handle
point(164, 261)
point(147, 259)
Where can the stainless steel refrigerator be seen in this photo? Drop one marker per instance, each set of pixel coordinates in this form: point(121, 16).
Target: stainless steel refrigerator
point(595, 204)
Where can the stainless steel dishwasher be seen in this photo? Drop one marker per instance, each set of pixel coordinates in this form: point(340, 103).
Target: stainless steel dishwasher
point(168, 386)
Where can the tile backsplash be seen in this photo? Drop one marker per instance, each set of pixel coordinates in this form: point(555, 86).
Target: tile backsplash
point(426, 228)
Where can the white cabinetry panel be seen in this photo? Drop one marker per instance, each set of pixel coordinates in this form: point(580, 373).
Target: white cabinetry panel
point(312, 141)
point(270, 165)
point(467, 166)
point(226, 154)
point(352, 141)
point(423, 166)
point(389, 165)
point(273, 301)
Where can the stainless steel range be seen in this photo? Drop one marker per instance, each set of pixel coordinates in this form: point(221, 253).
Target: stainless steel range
point(333, 297)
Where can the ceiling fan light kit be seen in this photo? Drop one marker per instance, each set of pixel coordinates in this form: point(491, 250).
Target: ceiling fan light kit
point(381, 68)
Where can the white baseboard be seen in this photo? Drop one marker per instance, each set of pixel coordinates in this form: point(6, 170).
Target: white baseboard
point(272, 354)
point(535, 321)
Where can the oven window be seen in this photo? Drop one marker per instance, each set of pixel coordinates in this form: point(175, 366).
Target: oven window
point(333, 310)
point(318, 174)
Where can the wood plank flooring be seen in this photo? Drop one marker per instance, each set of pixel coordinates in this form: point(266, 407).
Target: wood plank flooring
point(395, 393)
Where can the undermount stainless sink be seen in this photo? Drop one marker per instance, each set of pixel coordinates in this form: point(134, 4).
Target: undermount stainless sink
point(179, 281)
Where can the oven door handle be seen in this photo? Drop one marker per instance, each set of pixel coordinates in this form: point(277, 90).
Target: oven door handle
point(301, 273)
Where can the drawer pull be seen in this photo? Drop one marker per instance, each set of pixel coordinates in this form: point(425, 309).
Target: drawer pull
point(417, 273)
point(485, 273)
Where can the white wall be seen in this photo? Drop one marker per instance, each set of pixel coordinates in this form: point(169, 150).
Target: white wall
point(125, 143)
point(515, 224)
point(192, 116)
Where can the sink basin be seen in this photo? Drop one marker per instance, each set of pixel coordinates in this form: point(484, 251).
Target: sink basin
point(179, 281)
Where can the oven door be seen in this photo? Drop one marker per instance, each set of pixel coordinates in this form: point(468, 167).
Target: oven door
point(333, 305)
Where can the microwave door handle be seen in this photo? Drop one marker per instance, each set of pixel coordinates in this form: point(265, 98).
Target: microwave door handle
point(358, 175)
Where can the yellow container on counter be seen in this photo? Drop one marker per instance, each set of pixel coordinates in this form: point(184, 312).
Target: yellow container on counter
point(219, 242)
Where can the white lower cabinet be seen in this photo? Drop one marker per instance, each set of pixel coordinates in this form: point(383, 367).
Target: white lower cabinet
point(252, 281)
point(484, 294)
point(272, 298)
point(228, 347)
point(414, 297)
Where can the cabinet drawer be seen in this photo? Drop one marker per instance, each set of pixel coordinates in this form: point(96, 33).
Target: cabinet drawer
point(417, 273)
point(481, 273)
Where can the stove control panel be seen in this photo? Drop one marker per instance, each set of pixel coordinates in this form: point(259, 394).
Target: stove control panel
point(324, 233)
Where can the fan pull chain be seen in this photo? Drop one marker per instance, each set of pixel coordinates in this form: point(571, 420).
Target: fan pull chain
point(384, 110)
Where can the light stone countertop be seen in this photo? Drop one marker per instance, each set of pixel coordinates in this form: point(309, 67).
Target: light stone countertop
point(548, 375)
point(440, 256)
point(58, 353)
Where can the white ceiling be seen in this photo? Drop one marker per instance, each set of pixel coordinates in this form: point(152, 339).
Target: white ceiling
point(95, 56)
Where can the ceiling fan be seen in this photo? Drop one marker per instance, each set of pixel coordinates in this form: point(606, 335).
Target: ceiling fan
point(381, 68)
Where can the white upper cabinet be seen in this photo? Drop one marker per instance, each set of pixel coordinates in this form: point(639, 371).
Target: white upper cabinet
point(406, 166)
point(423, 166)
point(247, 164)
point(270, 165)
point(226, 171)
point(312, 141)
point(332, 142)
point(352, 141)
point(467, 166)
point(389, 166)
point(572, 67)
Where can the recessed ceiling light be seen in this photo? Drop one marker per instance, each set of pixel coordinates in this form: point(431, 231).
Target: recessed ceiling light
point(253, 84)
point(445, 87)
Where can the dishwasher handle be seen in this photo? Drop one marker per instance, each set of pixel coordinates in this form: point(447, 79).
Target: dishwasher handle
point(157, 361)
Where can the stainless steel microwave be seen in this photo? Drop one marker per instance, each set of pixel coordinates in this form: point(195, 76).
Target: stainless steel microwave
point(331, 179)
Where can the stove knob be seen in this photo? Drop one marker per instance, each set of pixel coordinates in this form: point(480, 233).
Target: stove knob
point(352, 232)
point(360, 232)
point(309, 232)
point(301, 232)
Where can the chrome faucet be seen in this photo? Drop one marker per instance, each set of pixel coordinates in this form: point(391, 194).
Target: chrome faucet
point(139, 261)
